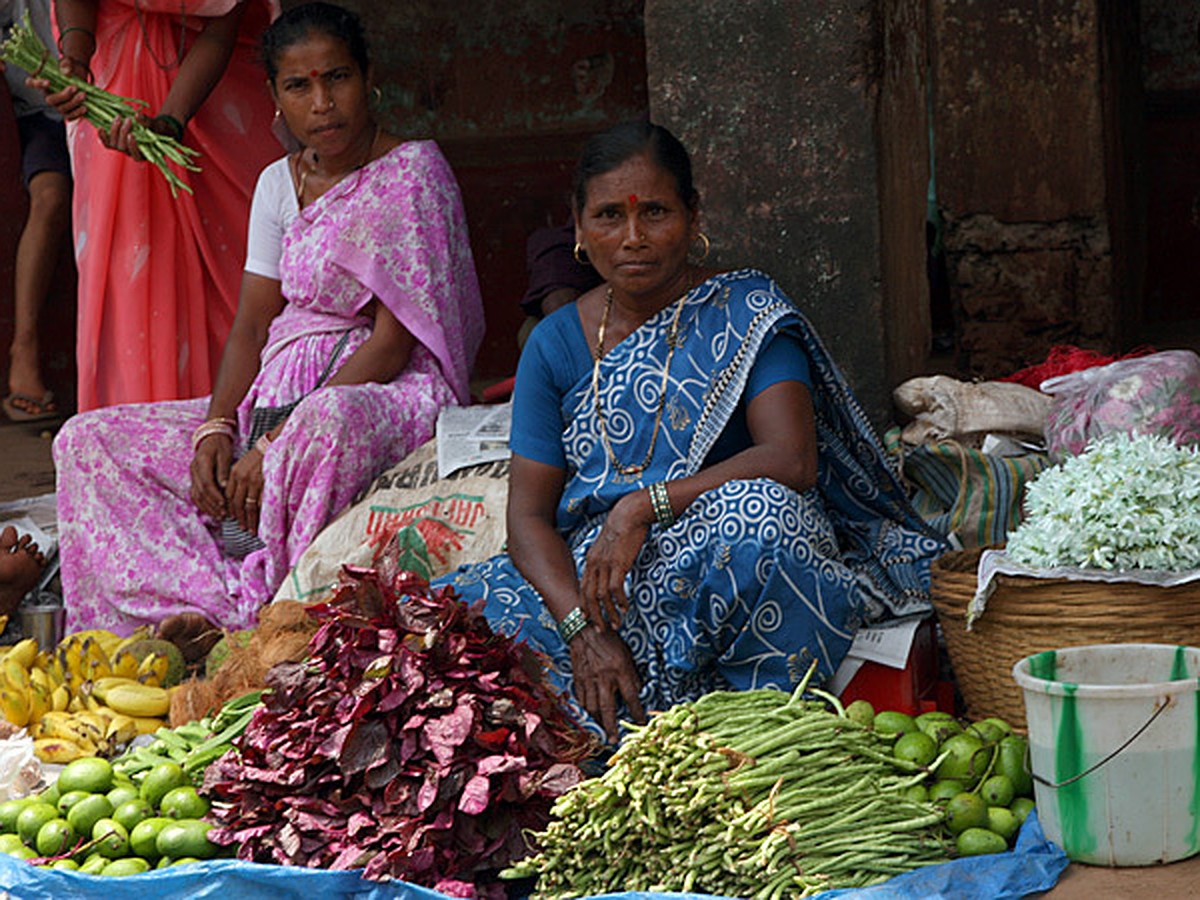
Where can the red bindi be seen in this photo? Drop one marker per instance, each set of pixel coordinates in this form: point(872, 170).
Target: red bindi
point(633, 199)
point(314, 74)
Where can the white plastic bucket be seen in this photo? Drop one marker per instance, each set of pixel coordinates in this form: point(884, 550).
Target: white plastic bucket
point(1114, 742)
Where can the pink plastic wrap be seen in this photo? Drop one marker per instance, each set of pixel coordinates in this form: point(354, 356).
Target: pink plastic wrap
point(1157, 394)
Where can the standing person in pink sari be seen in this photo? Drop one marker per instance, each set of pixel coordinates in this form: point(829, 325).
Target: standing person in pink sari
point(359, 319)
point(159, 275)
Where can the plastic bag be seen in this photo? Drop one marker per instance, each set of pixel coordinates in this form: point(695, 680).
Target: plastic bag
point(20, 770)
point(1031, 867)
point(213, 880)
point(1158, 394)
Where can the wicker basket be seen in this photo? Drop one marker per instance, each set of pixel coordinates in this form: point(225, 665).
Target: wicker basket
point(1029, 615)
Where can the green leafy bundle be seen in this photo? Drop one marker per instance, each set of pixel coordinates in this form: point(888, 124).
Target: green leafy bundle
point(25, 50)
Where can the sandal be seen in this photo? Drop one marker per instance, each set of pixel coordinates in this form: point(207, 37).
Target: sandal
point(23, 408)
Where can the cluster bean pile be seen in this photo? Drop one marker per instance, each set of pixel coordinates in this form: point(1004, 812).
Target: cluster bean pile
point(744, 794)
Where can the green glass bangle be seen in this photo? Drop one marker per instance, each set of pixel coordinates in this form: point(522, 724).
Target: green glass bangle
point(572, 623)
point(173, 123)
point(660, 502)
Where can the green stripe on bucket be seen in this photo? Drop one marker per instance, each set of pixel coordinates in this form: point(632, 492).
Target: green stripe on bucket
point(1179, 672)
point(1078, 839)
point(1179, 665)
point(1193, 835)
point(1044, 665)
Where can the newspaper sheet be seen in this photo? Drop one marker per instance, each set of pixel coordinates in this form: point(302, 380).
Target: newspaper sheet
point(887, 643)
point(468, 435)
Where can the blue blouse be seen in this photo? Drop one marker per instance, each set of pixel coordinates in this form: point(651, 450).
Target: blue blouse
point(557, 356)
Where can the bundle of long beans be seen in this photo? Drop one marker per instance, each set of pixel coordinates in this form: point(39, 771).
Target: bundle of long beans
point(756, 794)
point(25, 50)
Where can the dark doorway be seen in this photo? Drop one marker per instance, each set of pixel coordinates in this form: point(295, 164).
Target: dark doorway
point(1170, 39)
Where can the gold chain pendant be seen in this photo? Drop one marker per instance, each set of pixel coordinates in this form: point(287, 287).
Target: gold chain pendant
point(672, 340)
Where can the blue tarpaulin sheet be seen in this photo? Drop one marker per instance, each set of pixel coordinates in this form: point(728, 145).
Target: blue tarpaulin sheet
point(1033, 865)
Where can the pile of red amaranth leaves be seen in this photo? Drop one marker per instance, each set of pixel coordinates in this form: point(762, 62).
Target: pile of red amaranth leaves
point(415, 743)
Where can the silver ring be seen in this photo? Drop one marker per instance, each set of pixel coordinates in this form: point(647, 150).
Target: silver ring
point(252, 501)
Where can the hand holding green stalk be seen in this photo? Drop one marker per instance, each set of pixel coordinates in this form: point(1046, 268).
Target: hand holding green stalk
point(122, 122)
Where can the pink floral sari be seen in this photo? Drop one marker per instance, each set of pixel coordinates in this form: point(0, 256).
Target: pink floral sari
point(159, 275)
point(133, 546)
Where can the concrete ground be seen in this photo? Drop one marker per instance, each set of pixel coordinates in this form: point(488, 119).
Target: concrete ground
point(26, 469)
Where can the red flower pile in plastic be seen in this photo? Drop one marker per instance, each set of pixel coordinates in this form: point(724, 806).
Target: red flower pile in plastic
point(415, 743)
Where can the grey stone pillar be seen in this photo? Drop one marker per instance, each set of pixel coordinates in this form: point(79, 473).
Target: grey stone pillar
point(778, 102)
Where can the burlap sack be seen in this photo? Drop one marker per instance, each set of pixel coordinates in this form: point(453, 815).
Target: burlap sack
point(944, 408)
point(437, 524)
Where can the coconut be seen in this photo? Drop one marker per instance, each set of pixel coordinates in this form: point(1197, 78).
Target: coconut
point(220, 651)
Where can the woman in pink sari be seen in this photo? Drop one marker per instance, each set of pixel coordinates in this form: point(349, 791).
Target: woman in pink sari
point(159, 275)
point(359, 319)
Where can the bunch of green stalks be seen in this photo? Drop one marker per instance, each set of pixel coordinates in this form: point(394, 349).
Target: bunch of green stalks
point(25, 50)
point(757, 794)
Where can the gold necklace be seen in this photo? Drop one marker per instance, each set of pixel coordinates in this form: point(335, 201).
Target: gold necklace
point(305, 169)
point(672, 340)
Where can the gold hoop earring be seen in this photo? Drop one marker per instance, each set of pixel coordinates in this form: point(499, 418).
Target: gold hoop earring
point(703, 238)
point(578, 256)
point(377, 93)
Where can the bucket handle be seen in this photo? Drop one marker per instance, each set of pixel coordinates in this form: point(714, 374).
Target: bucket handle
point(1158, 709)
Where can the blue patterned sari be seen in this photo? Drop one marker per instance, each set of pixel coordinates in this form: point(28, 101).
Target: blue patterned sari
point(754, 580)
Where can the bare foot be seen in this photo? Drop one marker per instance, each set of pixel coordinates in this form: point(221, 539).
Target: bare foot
point(193, 634)
point(21, 565)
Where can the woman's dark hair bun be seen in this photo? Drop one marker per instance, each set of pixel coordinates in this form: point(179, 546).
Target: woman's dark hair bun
point(297, 23)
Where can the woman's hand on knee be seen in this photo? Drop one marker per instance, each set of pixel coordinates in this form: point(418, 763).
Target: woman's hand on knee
point(609, 560)
point(210, 475)
point(245, 490)
point(605, 675)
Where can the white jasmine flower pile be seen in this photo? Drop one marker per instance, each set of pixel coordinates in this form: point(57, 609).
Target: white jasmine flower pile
point(1124, 503)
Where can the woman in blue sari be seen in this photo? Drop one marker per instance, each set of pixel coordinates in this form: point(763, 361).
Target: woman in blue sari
point(697, 501)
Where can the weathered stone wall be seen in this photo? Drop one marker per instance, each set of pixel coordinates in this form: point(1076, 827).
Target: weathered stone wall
point(1171, 57)
point(777, 101)
point(1022, 177)
point(1022, 287)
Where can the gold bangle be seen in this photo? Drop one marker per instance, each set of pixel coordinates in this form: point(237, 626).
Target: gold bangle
point(211, 427)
